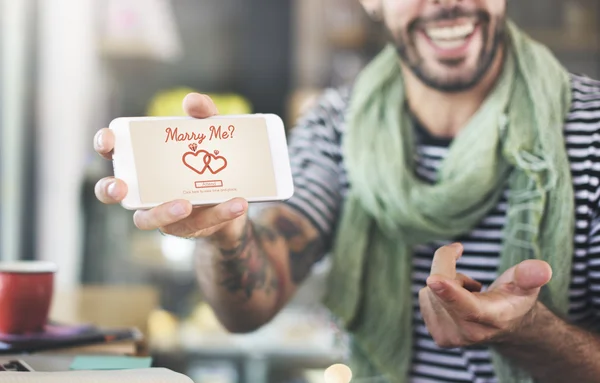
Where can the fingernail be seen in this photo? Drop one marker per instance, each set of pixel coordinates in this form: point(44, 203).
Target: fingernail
point(177, 210)
point(437, 287)
point(237, 208)
point(99, 141)
point(112, 190)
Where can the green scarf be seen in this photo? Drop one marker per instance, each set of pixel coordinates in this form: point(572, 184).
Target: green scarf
point(515, 139)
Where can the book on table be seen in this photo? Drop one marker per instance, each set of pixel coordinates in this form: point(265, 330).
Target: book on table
point(73, 339)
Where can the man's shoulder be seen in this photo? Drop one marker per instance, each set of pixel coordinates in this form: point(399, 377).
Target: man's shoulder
point(584, 117)
point(585, 84)
point(586, 99)
point(327, 112)
point(332, 101)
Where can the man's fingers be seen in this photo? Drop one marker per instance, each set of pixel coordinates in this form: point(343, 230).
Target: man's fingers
point(469, 283)
point(104, 143)
point(163, 215)
point(526, 278)
point(209, 220)
point(444, 260)
point(199, 106)
point(531, 275)
point(219, 214)
point(181, 219)
point(110, 190)
point(454, 297)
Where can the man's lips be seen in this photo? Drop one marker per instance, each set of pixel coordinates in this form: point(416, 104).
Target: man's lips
point(450, 40)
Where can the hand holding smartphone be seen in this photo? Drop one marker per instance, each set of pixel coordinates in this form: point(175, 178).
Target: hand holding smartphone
point(204, 161)
point(165, 209)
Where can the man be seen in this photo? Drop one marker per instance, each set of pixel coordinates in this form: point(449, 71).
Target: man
point(462, 136)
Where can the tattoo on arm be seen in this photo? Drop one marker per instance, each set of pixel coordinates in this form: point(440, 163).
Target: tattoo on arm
point(303, 252)
point(245, 269)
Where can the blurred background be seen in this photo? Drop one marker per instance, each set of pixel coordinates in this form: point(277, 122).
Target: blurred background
point(69, 67)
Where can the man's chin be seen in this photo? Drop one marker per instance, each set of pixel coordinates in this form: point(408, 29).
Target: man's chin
point(448, 75)
point(452, 64)
point(448, 82)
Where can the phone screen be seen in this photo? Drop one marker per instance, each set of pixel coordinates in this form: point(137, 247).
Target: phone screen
point(202, 160)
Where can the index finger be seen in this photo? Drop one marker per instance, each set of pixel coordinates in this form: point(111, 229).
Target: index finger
point(444, 260)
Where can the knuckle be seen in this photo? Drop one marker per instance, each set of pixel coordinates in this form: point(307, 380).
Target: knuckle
point(457, 341)
point(449, 341)
point(442, 249)
point(174, 230)
point(442, 343)
point(441, 253)
point(476, 316)
point(221, 215)
point(438, 252)
point(447, 296)
point(167, 230)
point(474, 337)
point(203, 220)
point(204, 224)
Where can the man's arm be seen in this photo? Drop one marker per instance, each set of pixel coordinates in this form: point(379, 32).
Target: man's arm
point(249, 269)
point(509, 318)
point(248, 283)
point(249, 280)
point(552, 350)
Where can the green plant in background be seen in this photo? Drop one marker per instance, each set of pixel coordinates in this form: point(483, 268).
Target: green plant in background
point(168, 103)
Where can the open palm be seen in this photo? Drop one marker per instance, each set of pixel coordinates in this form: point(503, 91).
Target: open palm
point(458, 314)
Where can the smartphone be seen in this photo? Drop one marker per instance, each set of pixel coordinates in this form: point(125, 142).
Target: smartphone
point(205, 161)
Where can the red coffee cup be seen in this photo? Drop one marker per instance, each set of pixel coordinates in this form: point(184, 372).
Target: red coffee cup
point(25, 296)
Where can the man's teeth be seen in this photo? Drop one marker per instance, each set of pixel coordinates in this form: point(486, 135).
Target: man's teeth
point(449, 44)
point(454, 35)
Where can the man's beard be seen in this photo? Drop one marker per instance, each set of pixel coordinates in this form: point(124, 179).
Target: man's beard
point(409, 54)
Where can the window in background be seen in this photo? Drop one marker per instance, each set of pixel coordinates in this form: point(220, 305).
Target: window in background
point(17, 152)
point(570, 28)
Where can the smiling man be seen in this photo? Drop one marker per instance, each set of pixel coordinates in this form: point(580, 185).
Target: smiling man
point(455, 186)
point(447, 48)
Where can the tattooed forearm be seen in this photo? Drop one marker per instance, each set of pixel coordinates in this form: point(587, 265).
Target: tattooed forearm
point(247, 280)
point(303, 251)
point(246, 268)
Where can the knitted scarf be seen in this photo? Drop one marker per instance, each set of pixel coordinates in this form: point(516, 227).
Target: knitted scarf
point(515, 139)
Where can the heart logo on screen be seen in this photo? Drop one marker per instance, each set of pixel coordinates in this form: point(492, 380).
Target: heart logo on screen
point(201, 161)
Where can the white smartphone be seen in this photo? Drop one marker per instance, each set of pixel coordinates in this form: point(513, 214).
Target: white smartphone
point(205, 161)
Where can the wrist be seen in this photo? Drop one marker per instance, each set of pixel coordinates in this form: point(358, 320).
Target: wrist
point(233, 236)
point(522, 330)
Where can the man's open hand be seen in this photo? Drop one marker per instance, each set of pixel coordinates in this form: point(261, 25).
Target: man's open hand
point(457, 314)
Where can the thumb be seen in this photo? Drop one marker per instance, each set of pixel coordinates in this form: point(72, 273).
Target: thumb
point(529, 276)
point(199, 106)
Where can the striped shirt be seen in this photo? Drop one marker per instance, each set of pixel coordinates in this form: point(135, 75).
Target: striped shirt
point(321, 185)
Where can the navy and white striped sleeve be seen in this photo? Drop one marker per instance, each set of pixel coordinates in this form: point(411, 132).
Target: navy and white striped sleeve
point(315, 156)
point(583, 143)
